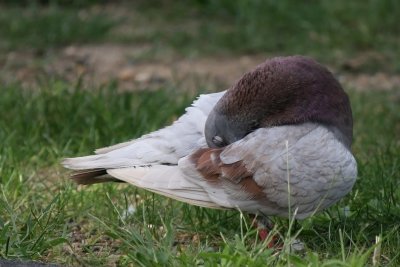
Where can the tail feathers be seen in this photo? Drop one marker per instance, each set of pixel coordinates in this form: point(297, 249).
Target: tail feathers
point(87, 177)
point(164, 180)
point(98, 162)
point(167, 181)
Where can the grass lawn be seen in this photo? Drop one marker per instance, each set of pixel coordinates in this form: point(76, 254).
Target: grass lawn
point(45, 217)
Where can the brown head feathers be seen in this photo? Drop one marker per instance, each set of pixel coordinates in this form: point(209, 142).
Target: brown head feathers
point(282, 91)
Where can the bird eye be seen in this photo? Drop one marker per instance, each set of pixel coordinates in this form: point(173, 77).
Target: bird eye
point(218, 141)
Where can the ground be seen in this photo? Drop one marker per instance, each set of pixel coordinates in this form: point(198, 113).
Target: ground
point(99, 64)
point(82, 75)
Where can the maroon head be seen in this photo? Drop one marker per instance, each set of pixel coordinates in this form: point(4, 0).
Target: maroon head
point(281, 91)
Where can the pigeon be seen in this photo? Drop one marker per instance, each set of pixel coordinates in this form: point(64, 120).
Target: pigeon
point(276, 143)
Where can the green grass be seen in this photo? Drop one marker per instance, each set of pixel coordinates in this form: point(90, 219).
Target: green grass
point(332, 31)
point(282, 25)
point(42, 28)
point(329, 30)
point(63, 3)
point(44, 217)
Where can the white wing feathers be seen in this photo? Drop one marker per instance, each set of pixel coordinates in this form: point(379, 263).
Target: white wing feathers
point(165, 146)
point(167, 181)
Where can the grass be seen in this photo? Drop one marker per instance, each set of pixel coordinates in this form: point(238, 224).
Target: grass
point(53, 26)
point(45, 217)
point(332, 31)
point(270, 25)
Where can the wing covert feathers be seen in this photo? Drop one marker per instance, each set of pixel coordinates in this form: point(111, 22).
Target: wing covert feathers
point(167, 181)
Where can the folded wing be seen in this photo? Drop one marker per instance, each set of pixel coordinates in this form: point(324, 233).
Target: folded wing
point(275, 170)
point(165, 146)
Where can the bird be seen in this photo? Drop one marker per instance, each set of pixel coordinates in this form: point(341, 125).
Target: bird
point(275, 143)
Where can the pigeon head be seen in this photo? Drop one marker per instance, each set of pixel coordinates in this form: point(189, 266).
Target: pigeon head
point(281, 91)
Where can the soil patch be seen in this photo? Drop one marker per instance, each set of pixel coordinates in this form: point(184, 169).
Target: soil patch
point(96, 65)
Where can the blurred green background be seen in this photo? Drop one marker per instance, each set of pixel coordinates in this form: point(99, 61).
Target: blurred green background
point(330, 30)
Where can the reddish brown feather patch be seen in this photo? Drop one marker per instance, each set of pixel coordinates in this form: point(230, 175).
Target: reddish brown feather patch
point(235, 171)
point(249, 185)
point(210, 166)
